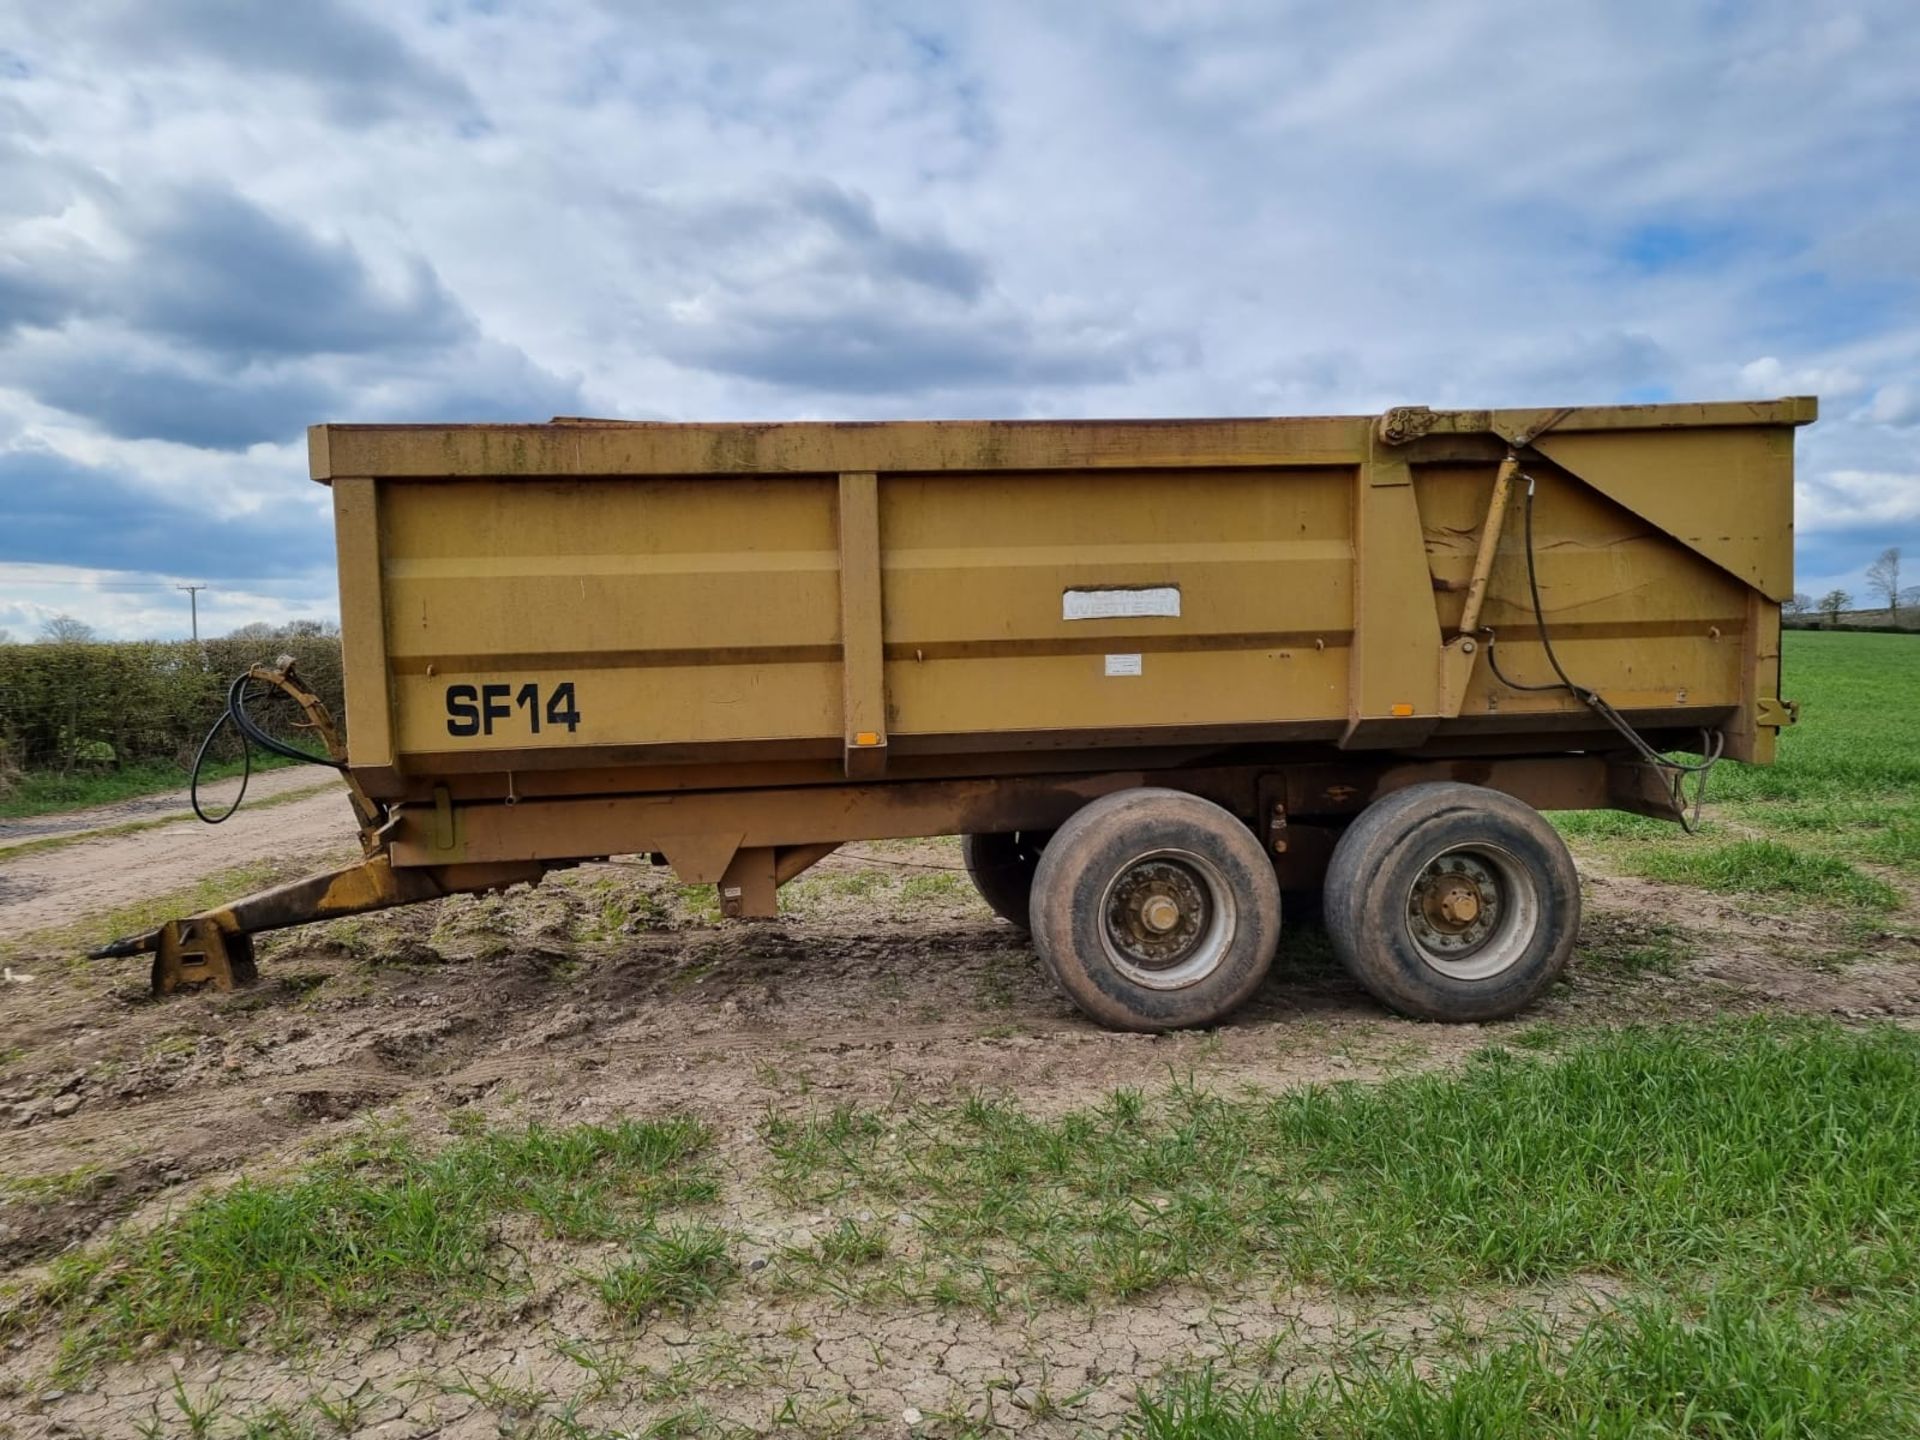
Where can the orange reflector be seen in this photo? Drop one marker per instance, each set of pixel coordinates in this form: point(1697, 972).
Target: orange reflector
point(1403, 709)
point(867, 737)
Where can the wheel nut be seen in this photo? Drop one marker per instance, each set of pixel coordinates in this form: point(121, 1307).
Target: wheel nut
point(1160, 914)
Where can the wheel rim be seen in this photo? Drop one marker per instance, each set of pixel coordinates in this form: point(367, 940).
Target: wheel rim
point(1167, 919)
point(1472, 911)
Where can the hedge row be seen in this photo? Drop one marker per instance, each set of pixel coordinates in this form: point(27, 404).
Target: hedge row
point(1848, 628)
point(97, 705)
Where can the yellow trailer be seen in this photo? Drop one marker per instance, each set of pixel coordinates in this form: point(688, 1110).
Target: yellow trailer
point(1155, 672)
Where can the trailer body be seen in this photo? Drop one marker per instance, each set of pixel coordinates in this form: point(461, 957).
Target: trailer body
point(734, 646)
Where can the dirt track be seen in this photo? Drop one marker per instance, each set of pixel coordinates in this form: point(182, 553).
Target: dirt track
point(43, 889)
point(608, 991)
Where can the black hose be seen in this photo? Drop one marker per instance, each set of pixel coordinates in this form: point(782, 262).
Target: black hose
point(1711, 744)
point(246, 764)
point(250, 734)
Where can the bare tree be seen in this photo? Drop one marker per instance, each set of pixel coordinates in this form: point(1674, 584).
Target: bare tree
point(1833, 603)
point(1910, 598)
point(66, 630)
point(1883, 576)
point(6, 637)
point(1797, 604)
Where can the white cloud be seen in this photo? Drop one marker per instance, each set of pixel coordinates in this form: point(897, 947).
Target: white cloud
point(1768, 376)
point(127, 605)
point(1896, 404)
point(1884, 502)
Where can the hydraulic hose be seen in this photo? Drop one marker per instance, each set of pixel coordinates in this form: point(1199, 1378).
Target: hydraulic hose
point(251, 734)
point(1712, 743)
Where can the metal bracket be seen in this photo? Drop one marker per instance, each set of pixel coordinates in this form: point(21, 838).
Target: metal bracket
point(1277, 829)
point(1405, 423)
point(750, 888)
point(198, 952)
point(368, 814)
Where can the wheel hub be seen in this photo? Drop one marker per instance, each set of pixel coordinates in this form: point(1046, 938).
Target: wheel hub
point(1157, 912)
point(1160, 914)
point(1455, 904)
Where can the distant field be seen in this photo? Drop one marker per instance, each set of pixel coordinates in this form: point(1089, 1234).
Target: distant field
point(1908, 619)
point(1859, 736)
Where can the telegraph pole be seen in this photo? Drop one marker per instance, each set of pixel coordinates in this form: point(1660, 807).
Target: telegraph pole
point(193, 599)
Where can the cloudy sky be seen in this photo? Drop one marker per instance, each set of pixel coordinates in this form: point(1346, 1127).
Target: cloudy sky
point(221, 220)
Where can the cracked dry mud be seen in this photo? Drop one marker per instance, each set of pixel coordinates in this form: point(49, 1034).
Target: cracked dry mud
point(608, 992)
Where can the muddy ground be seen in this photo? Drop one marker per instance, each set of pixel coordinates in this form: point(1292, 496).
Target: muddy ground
point(609, 991)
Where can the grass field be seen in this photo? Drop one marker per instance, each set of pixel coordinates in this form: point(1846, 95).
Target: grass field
point(1724, 1368)
point(1740, 1201)
point(49, 792)
point(1789, 1154)
point(1826, 823)
point(387, 1229)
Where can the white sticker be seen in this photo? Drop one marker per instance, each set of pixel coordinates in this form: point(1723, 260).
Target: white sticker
point(1123, 664)
point(1114, 604)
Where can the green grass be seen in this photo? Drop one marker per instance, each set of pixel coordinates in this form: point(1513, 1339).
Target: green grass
point(700, 904)
point(382, 1228)
point(850, 1244)
point(1739, 1368)
point(1763, 867)
point(1857, 739)
point(674, 1269)
point(1790, 1151)
point(901, 889)
point(1843, 794)
point(1753, 1186)
point(824, 891)
point(1847, 781)
point(839, 1262)
point(1610, 825)
point(48, 792)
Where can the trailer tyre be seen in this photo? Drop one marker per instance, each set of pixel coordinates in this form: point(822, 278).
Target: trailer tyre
point(1453, 902)
point(1155, 910)
point(1001, 867)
